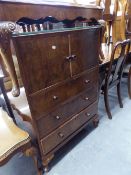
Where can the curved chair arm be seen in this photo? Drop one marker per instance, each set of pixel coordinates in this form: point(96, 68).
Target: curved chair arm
point(22, 115)
point(6, 29)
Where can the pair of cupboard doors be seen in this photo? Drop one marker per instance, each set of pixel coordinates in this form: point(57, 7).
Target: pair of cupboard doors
point(51, 58)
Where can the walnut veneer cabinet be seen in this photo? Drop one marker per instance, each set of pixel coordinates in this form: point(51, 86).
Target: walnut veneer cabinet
point(59, 70)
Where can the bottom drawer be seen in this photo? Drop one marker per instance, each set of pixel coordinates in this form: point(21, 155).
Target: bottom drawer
point(59, 135)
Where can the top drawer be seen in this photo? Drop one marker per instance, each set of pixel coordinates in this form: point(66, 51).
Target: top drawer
point(47, 100)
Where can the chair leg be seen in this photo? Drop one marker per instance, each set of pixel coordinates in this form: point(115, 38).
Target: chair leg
point(32, 152)
point(129, 83)
point(107, 103)
point(119, 95)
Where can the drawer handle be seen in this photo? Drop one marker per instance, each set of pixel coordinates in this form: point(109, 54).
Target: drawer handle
point(88, 114)
point(55, 97)
point(61, 135)
point(87, 81)
point(86, 98)
point(57, 117)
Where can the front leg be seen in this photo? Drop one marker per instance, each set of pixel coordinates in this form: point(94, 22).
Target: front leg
point(46, 162)
point(34, 153)
point(96, 121)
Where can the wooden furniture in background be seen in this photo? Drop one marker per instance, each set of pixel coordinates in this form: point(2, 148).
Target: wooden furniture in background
point(12, 138)
point(122, 30)
point(115, 71)
point(13, 10)
point(6, 55)
point(127, 73)
point(125, 19)
point(108, 16)
point(121, 24)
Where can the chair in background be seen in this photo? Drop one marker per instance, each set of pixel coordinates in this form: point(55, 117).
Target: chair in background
point(125, 33)
point(114, 72)
point(14, 140)
point(127, 73)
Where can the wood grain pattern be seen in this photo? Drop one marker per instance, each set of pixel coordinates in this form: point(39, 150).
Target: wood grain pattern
point(15, 11)
point(63, 94)
point(60, 115)
point(60, 134)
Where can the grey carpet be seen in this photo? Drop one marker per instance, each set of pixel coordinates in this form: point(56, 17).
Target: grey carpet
point(105, 150)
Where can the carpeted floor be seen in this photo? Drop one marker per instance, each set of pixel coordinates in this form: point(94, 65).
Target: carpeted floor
point(105, 150)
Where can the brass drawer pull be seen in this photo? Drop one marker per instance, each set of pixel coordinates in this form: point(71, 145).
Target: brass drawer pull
point(88, 114)
point(87, 81)
point(74, 57)
point(55, 97)
point(61, 135)
point(69, 58)
point(86, 98)
point(57, 117)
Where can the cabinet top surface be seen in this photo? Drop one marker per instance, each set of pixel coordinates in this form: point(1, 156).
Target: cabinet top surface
point(49, 2)
point(34, 33)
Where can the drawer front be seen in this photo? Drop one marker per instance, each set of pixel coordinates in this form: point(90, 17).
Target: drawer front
point(62, 133)
point(65, 112)
point(47, 100)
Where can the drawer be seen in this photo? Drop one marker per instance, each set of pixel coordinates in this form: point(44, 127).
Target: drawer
point(62, 133)
point(47, 100)
point(65, 112)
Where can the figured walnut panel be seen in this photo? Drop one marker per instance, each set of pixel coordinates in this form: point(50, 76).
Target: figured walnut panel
point(84, 44)
point(43, 60)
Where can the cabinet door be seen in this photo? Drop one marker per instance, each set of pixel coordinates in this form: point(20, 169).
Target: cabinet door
point(84, 46)
point(57, 51)
point(43, 60)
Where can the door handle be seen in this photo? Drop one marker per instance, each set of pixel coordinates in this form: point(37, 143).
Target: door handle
point(69, 58)
point(74, 57)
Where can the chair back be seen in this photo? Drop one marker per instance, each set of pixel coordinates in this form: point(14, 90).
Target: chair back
point(117, 61)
